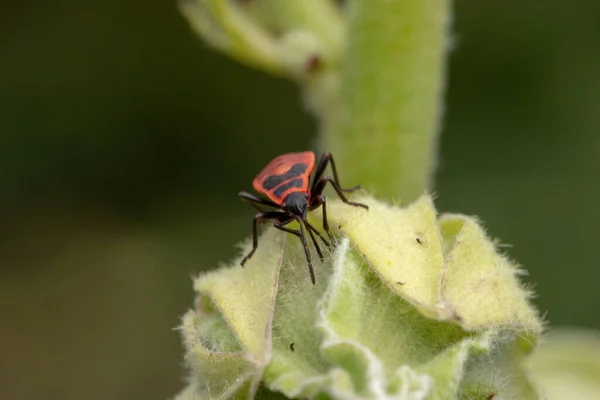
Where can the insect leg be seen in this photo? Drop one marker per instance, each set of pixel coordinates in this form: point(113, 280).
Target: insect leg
point(312, 237)
point(261, 216)
point(326, 159)
point(255, 201)
point(321, 185)
point(321, 201)
point(280, 224)
point(310, 227)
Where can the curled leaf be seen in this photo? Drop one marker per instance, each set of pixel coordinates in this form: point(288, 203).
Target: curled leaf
point(407, 306)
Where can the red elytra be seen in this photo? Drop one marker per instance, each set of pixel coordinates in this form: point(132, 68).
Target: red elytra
point(286, 183)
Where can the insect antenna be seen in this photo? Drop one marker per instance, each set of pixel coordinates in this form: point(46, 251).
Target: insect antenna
point(306, 251)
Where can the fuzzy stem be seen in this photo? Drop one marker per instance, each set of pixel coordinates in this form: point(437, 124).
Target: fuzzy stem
point(391, 81)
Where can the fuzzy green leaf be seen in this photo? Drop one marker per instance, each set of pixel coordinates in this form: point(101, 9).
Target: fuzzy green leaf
point(377, 323)
point(567, 365)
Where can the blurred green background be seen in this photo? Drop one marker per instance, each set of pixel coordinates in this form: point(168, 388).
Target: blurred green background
point(124, 141)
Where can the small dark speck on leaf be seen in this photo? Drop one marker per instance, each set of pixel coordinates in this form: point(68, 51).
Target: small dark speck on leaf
point(419, 241)
point(399, 283)
point(292, 346)
point(314, 63)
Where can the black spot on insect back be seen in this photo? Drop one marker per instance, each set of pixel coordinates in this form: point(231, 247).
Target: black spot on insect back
point(296, 183)
point(274, 180)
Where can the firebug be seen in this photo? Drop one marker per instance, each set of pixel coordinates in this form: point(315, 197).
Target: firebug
point(286, 183)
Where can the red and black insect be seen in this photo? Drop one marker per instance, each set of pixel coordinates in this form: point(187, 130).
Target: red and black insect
point(285, 181)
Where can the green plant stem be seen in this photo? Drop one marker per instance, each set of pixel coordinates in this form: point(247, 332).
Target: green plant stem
point(384, 131)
